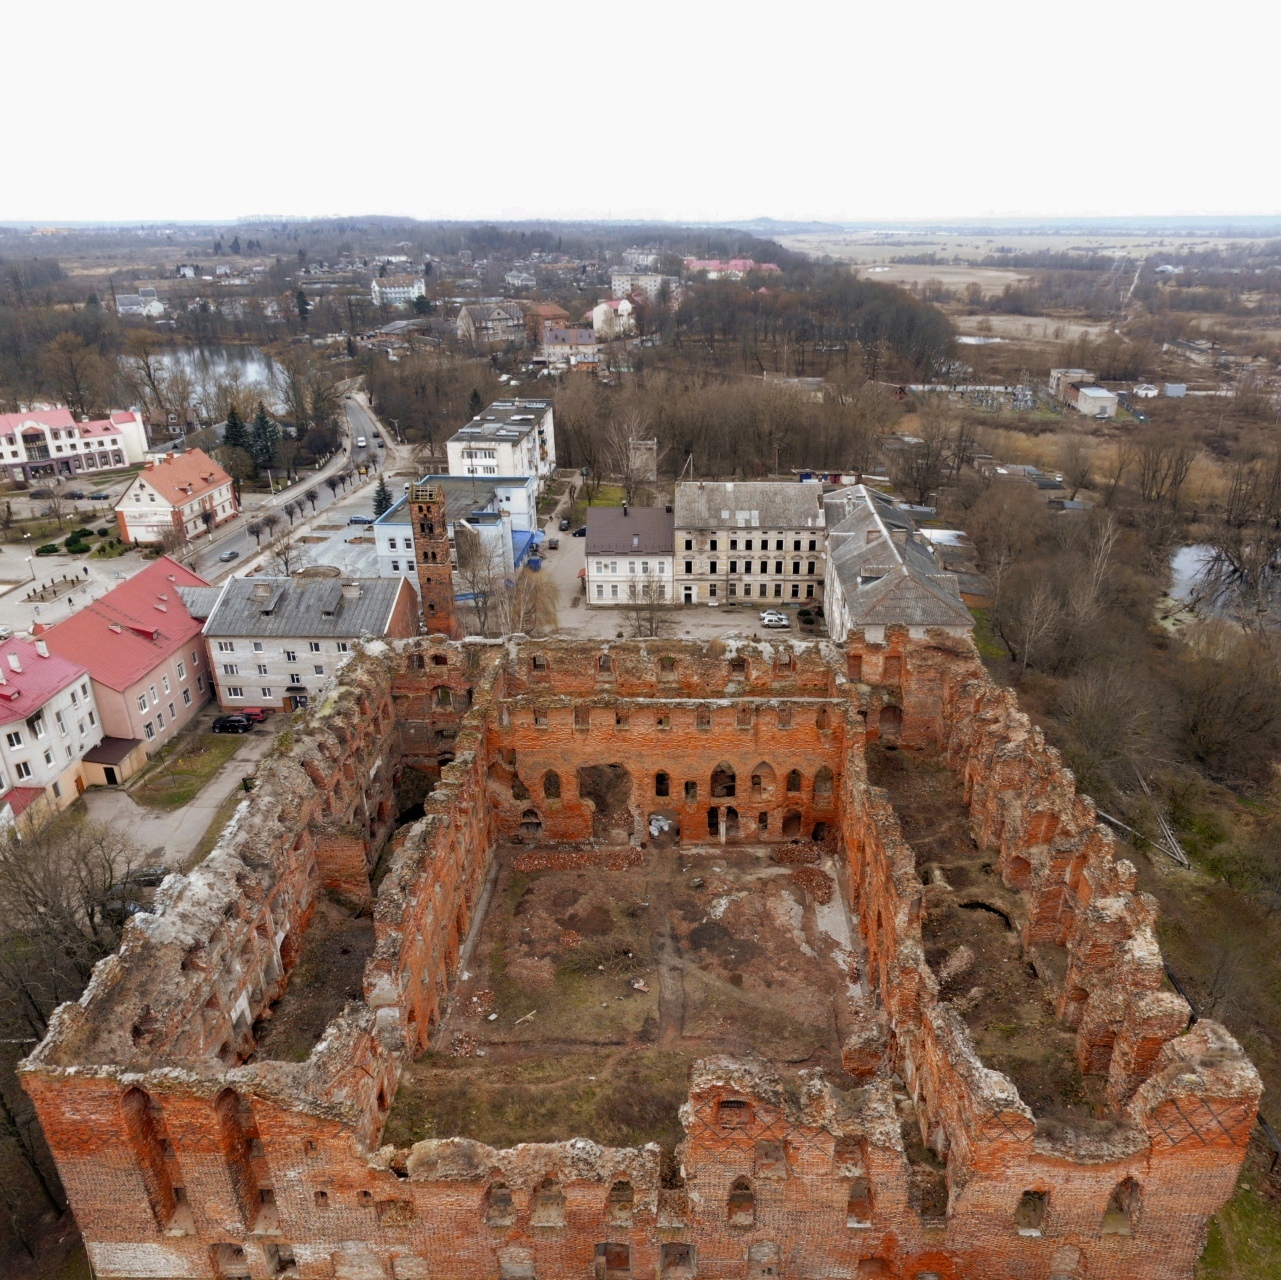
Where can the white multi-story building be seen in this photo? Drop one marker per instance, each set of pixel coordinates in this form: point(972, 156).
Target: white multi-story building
point(629, 555)
point(757, 539)
point(50, 444)
point(187, 492)
point(650, 283)
point(48, 721)
point(397, 291)
point(510, 438)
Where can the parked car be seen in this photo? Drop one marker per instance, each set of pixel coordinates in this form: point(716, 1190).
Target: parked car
point(256, 714)
point(148, 877)
point(76, 495)
point(564, 524)
point(360, 442)
point(553, 544)
point(42, 493)
point(100, 497)
point(581, 533)
point(360, 520)
point(382, 444)
point(228, 556)
point(232, 724)
point(773, 618)
point(5, 632)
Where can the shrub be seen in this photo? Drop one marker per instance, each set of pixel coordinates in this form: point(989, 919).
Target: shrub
point(102, 533)
point(49, 549)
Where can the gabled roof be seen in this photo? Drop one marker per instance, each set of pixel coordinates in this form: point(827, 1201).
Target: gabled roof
point(886, 572)
point(24, 692)
point(57, 418)
point(303, 608)
point(180, 477)
point(648, 530)
point(133, 628)
point(749, 504)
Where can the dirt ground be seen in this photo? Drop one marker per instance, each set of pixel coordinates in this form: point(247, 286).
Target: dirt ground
point(591, 991)
point(329, 972)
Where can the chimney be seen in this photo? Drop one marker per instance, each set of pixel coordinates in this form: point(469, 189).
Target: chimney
point(624, 511)
point(42, 648)
point(15, 663)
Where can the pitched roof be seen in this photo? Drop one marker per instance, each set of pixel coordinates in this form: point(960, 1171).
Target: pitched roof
point(642, 529)
point(750, 504)
point(302, 608)
point(179, 477)
point(133, 628)
point(24, 692)
point(40, 417)
point(886, 572)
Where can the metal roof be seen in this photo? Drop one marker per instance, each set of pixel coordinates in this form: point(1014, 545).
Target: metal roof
point(505, 420)
point(630, 530)
point(305, 607)
point(749, 504)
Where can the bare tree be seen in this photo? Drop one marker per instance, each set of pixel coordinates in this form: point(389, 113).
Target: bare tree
point(288, 556)
point(920, 467)
point(332, 483)
point(255, 530)
point(649, 610)
point(291, 509)
point(1029, 620)
point(1076, 461)
point(56, 503)
point(312, 496)
point(269, 520)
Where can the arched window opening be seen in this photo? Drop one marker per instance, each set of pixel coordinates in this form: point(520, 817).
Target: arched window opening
point(1030, 1213)
point(443, 697)
point(820, 832)
point(731, 822)
point(519, 790)
point(662, 785)
point(691, 792)
point(822, 720)
point(713, 821)
point(762, 823)
point(439, 660)
point(723, 782)
point(551, 785)
point(823, 782)
point(794, 782)
point(791, 824)
point(741, 1206)
point(858, 1211)
point(1122, 1212)
point(603, 664)
point(548, 1208)
point(763, 782)
point(621, 1202)
point(499, 1209)
point(531, 825)
point(891, 724)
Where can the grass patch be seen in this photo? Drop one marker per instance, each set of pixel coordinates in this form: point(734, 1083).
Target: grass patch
point(1244, 1240)
point(177, 777)
point(609, 495)
point(989, 646)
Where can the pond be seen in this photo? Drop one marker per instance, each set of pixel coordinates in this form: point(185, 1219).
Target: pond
point(1188, 567)
point(210, 362)
point(1208, 585)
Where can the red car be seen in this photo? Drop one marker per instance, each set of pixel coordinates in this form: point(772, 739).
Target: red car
point(256, 714)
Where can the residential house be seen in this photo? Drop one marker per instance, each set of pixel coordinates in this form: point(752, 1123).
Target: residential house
point(491, 326)
point(641, 259)
point(881, 572)
point(613, 318)
point(543, 315)
point(733, 269)
point(570, 346)
point(1061, 381)
point(276, 642)
point(397, 291)
point(142, 647)
point(50, 443)
point(511, 500)
point(48, 721)
point(184, 493)
point(510, 438)
point(629, 555)
point(519, 280)
point(756, 540)
point(651, 284)
point(135, 304)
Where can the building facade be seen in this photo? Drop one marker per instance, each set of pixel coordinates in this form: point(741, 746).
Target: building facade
point(397, 291)
point(187, 494)
point(759, 541)
point(51, 444)
point(488, 326)
point(629, 556)
point(510, 438)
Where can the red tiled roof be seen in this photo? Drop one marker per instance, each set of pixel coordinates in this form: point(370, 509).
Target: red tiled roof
point(171, 475)
point(45, 417)
point(24, 692)
point(133, 628)
point(19, 799)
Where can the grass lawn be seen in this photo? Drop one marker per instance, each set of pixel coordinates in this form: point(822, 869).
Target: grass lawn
point(178, 777)
point(1244, 1241)
point(609, 495)
point(987, 644)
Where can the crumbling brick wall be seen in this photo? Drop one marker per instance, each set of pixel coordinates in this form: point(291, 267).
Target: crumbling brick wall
point(186, 1154)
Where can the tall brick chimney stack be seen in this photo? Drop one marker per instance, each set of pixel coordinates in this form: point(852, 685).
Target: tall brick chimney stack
point(431, 548)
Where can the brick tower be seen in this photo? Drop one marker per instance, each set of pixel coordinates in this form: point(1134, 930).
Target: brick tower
point(431, 555)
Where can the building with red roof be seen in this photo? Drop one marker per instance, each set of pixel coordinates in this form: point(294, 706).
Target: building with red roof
point(184, 493)
point(51, 444)
point(48, 723)
point(146, 659)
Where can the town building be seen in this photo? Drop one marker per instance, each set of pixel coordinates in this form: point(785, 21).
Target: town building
point(542, 315)
point(510, 438)
point(641, 259)
point(491, 326)
point(184, 494)
point(142, 647)
point(651, 284)
point(1061, 381)
point(397, 291)
point(512, 501)
point(276, 642)
point(733, 269)
point(519, 280)
point(428, 507)
point(145, 303)
point(48, 721)
point(757, 540)
point(613, 318)
point(49, 443)
point(629, 555)
point(1094, 402)
point(570, 346)
point(881, 572)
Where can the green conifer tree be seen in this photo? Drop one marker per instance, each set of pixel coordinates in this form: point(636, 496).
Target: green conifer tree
point(263, 437)
point(382, 497)
point(234, 435)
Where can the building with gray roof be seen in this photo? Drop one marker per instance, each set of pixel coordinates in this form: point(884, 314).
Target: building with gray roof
point(881, 572)
point(629, 554)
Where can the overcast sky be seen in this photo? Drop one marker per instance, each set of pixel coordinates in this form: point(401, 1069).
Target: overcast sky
point(146, 110)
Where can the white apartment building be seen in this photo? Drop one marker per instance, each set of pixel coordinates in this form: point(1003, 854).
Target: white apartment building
point(650, 283)
point(50, 443)
point(629, 555)
point(48, 721)
point(397, 291)
point(510, 438)
point(759, 540)
point(188, 492)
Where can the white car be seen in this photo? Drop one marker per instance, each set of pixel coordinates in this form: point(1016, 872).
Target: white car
point(772, 618)
point(360, 442)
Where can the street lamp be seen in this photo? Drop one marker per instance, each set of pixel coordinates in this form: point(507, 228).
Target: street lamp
point(32, 567)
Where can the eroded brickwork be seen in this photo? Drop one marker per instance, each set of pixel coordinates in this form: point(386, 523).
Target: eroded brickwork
point(186, 1154)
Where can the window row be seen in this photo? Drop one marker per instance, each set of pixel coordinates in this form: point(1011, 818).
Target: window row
point(762, 544)
point(763, 591)
point(290, 655)
point(745, 567)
